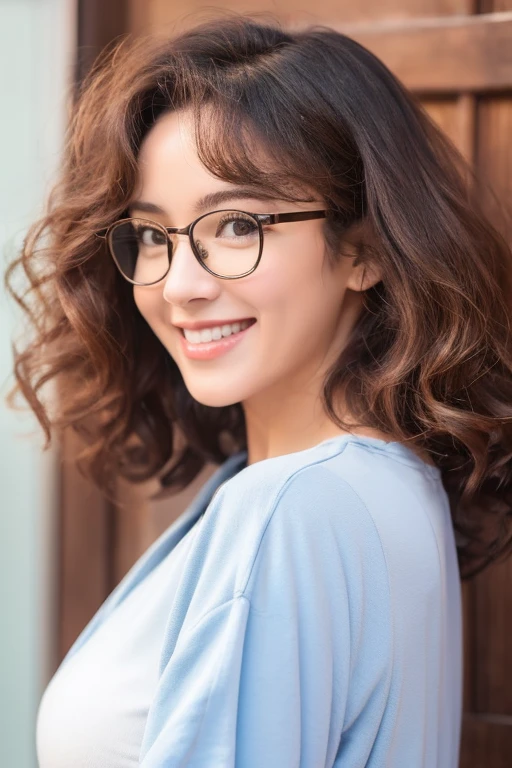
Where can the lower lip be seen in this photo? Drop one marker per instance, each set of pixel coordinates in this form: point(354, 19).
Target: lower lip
point(210, 349)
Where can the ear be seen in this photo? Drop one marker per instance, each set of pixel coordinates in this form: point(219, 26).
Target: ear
point(363, 275)
point(358, 246)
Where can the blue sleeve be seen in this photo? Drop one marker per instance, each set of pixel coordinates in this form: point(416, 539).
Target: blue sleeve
point(262, 679)
point(233, 703)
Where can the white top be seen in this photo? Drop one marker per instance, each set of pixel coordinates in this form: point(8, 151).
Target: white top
point(93, 712)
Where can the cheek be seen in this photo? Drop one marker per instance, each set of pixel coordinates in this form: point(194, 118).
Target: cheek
point(289, 275)
point(288, 293)
point(145, 300)
point(149, 303)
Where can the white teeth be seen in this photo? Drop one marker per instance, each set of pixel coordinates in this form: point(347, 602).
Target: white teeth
point(215, 333)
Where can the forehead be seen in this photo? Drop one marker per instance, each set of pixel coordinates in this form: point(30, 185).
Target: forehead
point(170, 139)
point(175, 134)
point(171, 172)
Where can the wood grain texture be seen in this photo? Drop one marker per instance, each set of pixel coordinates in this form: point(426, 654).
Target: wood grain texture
point(161, 16)
point(486, 742)
point(85, 547)
point(455, 115)
point(99, 23)
point(444, 55)
point(494, 157)
point(492, 631)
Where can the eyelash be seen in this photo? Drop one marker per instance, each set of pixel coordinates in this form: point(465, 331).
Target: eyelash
point(233, 217)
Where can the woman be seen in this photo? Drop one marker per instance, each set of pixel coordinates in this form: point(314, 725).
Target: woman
point(334, 333)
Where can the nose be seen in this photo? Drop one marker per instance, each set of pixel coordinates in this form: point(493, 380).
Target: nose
point(186, 279)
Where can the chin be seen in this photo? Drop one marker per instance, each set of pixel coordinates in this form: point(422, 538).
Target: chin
point(212, 399)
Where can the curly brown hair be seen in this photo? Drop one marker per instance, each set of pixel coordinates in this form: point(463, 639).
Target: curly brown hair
point(429, 359)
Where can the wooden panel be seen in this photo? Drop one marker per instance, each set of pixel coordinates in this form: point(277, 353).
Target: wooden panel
point(99, 23)
point(439, 54)
point(492, 629)
point(131, 526)
point(85, 546)
point(163, 512)
point(139, 521)
point(160, 15)
point(86, 536)
point(486, 742)
point(494, 158)
point(469, 691)
point(488, 6)
point(465, 53)
point(455, 115)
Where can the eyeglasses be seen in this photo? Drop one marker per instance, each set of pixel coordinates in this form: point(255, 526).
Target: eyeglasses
point(227, 243)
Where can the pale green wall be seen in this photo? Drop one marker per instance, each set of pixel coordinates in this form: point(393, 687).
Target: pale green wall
point(36, 54)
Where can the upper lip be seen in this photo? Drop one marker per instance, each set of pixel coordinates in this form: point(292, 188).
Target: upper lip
point(199, 324)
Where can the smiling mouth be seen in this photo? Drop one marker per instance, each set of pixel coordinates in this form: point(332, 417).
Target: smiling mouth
point(208, 350)
point(244, 325)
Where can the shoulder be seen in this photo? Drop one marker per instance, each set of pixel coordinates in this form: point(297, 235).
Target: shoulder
point(297, 511)
point(342, 513)
point(325, 483)
point(293, 537)
point(283, 487)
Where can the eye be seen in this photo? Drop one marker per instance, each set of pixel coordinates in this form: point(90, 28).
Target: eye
point(150, 236)
point(236, 226)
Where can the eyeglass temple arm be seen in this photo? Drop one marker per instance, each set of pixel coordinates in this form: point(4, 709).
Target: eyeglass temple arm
point(277, 218)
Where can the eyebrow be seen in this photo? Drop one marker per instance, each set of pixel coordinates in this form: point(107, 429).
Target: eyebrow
point(211, 200)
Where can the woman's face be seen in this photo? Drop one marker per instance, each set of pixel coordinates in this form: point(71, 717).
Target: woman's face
point(303, 308)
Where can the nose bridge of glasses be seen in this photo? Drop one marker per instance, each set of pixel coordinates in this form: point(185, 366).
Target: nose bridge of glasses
point(178, 230)
point(175, 242)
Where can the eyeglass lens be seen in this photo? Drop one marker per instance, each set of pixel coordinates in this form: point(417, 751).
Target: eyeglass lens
point(228, 242)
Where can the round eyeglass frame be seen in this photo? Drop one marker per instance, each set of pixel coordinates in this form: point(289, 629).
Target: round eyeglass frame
point(259, 218)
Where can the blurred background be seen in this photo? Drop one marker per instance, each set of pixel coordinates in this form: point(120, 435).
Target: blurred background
point(63, 547)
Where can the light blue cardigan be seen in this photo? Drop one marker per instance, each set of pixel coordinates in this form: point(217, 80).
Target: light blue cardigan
point(317, 621)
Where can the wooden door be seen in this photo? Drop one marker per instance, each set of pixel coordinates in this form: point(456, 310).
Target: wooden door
point(457, 56)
